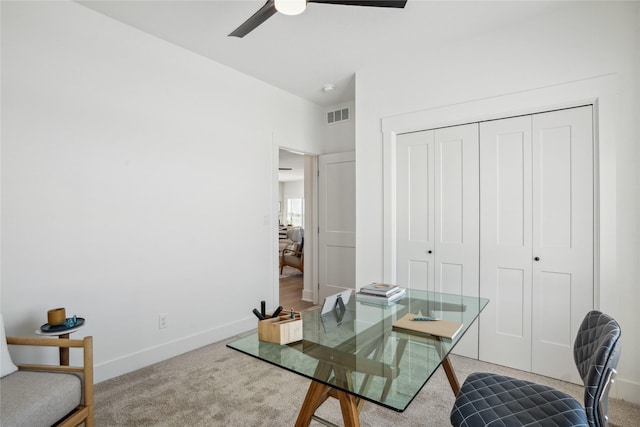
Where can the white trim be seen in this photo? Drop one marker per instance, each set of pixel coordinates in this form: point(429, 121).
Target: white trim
point(150, 355)
point(275, 213)
point(310, 291)
point(626, 390)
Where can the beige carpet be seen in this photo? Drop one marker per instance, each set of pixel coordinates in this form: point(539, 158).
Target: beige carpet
point(215, 386)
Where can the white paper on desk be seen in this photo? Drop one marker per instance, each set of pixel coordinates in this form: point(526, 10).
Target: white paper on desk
point(330, 301)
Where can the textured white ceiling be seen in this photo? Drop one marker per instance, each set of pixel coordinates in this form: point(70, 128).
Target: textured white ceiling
point(325, 44)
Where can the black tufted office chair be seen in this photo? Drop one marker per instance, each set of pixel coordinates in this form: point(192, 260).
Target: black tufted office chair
point(499, 401)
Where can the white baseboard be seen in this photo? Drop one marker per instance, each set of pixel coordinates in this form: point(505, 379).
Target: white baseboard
point(626, 390)
point(122, 365)
point(307, 295)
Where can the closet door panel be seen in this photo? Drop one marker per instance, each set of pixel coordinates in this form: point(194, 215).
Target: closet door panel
point(554, 294)
point(419, 274)
point(553, 179)
point(437, 217)
point(457, 199)
point(450, 189)
point(451, 278)
point(457, 219)
point(505, 244)
point(563, 236)
point(415, 210)
point(509, 302)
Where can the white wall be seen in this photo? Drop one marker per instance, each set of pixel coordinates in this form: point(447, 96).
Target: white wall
point(121, 155)
point(581, 41)
point(341, 135)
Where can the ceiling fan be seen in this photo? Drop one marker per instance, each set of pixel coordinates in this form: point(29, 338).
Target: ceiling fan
point(295, 7)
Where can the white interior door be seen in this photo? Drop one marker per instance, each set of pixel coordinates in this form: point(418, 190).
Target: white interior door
point(415, 215)
point(337, 223)
point(505, 244)
point(457, 220)
point(562, 237)
point(537, 239)
point(456, 210)
point(437, 218)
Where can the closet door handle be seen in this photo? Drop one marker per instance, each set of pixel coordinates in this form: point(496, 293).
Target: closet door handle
point(429, 251)
point(537, 258)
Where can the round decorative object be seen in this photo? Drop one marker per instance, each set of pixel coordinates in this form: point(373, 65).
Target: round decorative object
point(56, 316)
point(62, 327)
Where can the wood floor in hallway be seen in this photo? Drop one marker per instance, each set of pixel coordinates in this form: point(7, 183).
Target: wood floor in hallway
point(291, 286)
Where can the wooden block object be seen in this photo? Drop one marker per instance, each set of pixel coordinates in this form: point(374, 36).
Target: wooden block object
point(282, 329)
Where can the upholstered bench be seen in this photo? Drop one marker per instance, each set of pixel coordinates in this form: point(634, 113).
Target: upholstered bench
point(44, 395)
point(38, 398)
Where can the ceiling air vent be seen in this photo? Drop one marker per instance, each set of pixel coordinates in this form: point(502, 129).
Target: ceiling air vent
point(338, 115)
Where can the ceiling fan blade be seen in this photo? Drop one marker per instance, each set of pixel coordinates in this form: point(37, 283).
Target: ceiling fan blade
point(256, 19)
point(372, 3)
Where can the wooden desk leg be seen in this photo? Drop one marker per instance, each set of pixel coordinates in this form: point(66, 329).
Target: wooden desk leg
point(64, 352)
point(316, 395)
point(451, 375)
point(448, 369)
point(349, 407)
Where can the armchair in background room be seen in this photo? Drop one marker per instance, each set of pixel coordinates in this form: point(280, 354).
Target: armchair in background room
point(292, 249)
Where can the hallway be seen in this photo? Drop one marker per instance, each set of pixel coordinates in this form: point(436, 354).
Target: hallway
point(291, 286)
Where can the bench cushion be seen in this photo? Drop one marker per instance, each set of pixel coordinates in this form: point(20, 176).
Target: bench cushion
point(6, 364)
point(38, 398)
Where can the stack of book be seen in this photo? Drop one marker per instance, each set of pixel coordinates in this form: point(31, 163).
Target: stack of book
point(380, 294)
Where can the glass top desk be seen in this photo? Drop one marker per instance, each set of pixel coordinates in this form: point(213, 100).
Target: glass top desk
point(354, 355)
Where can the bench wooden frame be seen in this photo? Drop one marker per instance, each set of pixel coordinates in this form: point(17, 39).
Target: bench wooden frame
point(84, 411)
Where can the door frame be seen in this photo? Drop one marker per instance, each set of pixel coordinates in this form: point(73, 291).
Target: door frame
point(599, 92)
point(310, 292)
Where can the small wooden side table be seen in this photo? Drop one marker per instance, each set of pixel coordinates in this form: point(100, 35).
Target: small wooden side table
point(64, 351)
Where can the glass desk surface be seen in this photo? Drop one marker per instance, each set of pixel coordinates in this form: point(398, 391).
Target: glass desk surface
point(358, 352)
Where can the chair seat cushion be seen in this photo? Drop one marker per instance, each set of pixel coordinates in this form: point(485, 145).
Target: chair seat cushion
point(38, 398)
point(496, 400)
point(292, 259)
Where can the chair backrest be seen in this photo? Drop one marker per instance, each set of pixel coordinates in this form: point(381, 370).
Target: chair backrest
point(596, 352)
point(295, 234)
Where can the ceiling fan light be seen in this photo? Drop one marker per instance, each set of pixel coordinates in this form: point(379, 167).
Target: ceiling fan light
point(290, 7)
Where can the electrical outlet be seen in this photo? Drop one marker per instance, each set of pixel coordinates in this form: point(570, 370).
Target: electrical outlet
point(163, 320)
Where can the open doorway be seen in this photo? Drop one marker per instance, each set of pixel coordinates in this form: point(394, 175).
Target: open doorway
point(293, 221)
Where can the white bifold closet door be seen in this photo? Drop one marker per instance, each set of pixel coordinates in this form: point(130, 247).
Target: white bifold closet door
point(437, 216)
point(505, 244)
point(536, 221)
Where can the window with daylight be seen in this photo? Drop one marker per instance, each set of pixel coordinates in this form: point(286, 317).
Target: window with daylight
point(295, 212)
